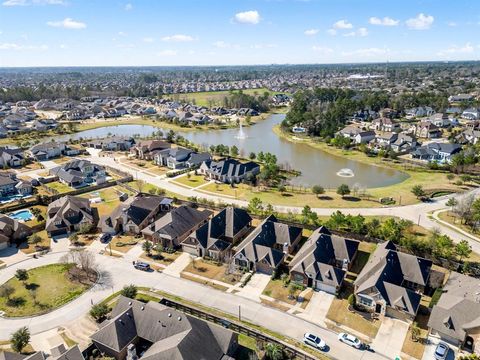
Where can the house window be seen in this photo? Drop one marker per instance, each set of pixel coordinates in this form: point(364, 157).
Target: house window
point(365, 301)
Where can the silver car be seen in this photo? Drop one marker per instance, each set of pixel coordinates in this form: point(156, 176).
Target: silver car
point(441, 351)
point(315, 341)
point(350, 340)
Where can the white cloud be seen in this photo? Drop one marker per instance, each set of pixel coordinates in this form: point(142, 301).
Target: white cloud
point(247, 17)
point(368, 52)
point(332, 32)
point(167, 53)
point(121, 33)
point(68, 23)
point(466, 49)
point(264, 46)
point(386, 21)
point(18, 47)
point(322, 50)
point(452, 23)
point(148, 40)
point(178, 38)
point(63, 46)
point(342, 24)
point(225, 45)
point(311, 32)
point(32, 2)
point(420, 22)
point(125, 46)
point(360, 32)
point(128, 7)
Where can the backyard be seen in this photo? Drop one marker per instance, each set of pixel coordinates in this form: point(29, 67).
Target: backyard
point(60, 187)
point(47, 287)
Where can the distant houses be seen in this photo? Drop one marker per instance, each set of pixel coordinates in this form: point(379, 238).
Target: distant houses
point(114, 143)
point(436, 152)
point(50, 150)
point(180, 158)
point(12, 231)
point(145, 150)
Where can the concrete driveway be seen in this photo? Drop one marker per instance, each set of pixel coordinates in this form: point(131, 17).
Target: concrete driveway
point(390, 337)
point(180, 263)
point(430, 347)
point(255, 286)
point(317, 308)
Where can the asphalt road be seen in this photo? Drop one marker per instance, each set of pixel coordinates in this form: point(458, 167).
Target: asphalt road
point(117, 272)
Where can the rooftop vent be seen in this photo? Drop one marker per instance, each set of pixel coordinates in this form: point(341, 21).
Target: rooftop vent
point(129, 303)
point(169, 315)
point(142, 308)
point(179, 318)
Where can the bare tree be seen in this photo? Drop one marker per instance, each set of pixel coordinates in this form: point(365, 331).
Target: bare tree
point(464, 207)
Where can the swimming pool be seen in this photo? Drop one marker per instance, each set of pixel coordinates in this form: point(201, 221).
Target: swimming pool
point(22, 215)
point(12, 198)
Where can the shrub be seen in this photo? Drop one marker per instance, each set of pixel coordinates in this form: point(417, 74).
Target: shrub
point(99, 312)
point(129, 291)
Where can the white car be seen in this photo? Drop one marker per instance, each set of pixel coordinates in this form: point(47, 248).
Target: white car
point(314, 340)
point(350, 340)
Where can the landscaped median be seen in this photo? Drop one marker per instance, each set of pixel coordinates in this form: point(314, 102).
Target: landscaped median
point(43, 289)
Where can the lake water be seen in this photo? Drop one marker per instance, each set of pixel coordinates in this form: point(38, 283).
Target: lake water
point(316, 166)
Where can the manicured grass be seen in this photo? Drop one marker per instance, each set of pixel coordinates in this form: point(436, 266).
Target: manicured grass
point(110, 197)
point(240, 190)
point(453, 219)
point(60, 187)
point(276, 290)
point(215, 98)
point(166, 259)
point(122, 243)
point(29, 248)
point(52, 286)
point(203, 282)
point(340, 314)
point(157, 171)
point(213, 271)
point(191, 180)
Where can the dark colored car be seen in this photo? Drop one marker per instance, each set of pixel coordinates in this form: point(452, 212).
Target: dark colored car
point(105, 238)
point(142, 266)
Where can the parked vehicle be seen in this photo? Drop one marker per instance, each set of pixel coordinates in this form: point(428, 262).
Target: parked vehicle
point(141, 266)
point(350, 340)
point(314, 340)
point(105, 238)
point(441, 351)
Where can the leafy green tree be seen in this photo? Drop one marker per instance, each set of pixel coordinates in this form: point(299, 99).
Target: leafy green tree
point(147, 246)
point(252, 156)
point(73, 238)
point(255, 205)
point(20, 339)
point(129, 291)
point(234, 151)
point(318, 190)
point(415, 331)
point(34, 239)
point(22, 275)
point(452, 202)
point(6, 291)
point(418, 191)
point(99, 311)
point(463, 249)
point(343, 190)
point(273, 351)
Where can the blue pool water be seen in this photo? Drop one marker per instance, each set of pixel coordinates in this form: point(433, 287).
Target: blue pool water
point(22, 215)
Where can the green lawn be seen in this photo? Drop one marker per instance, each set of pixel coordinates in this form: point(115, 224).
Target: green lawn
point(52, 286)
point(110, 197)
point(60, 187)
point(191, 181)
point(215, 98)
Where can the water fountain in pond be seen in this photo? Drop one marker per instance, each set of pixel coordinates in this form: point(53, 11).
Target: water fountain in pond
point(241, 134)
point(345, 173)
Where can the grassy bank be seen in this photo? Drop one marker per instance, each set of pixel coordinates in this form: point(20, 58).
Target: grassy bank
point(401, 192)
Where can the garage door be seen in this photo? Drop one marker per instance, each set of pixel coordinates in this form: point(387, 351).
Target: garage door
point(264, 268)
point(190, 250)
point(327, 288)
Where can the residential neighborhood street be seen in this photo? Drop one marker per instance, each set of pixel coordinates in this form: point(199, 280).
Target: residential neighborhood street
point(117, 272)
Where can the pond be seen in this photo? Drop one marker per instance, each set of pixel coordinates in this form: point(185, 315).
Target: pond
point(316, 166)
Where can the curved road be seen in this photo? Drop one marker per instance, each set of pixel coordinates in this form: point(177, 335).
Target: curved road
point(416, 213)
point(117, 272)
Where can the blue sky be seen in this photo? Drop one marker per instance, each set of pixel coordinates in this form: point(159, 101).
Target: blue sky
point(230, 32)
